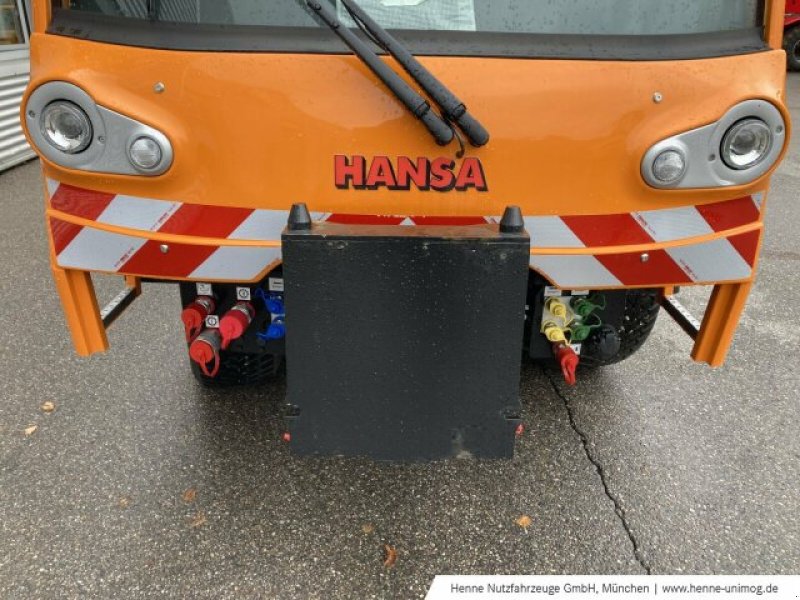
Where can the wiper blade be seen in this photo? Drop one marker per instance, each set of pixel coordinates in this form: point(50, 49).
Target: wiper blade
point(153, 9)
point(452, 108)
point(441, 131)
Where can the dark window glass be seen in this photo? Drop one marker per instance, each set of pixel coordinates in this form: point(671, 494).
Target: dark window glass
point(589, 17)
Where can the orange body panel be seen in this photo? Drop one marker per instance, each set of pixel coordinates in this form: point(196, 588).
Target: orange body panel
point(261, 130)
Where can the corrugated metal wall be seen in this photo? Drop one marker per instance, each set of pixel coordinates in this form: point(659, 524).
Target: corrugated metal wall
point(14, 74)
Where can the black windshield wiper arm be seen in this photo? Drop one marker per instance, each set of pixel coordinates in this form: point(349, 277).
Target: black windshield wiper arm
point(153, 9)
point(416, 104)
point(452, 108)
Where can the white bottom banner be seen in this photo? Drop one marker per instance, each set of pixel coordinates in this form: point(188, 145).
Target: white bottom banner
point(583, 587)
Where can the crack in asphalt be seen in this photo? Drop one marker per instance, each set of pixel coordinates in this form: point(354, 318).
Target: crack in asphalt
point(618, 509)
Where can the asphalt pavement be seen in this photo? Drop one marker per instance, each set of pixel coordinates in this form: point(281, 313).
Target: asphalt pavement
point(142, 483)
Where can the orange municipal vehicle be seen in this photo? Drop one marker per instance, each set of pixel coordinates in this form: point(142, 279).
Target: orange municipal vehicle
point(400, 200)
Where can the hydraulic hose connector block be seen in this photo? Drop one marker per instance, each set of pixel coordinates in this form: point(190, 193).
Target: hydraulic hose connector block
point(194, 315)
point(235, 322)
point(205, 351)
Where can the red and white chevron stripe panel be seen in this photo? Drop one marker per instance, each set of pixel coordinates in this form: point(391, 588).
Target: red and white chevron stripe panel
point(724, 259)
point(89, 248)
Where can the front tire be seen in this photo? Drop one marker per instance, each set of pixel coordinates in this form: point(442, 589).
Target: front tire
point(791, 43)
point(641, 312)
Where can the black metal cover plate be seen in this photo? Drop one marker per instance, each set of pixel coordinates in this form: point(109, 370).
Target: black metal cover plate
point(404, 343)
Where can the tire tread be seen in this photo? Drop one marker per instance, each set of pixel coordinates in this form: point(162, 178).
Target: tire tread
point(641, 311)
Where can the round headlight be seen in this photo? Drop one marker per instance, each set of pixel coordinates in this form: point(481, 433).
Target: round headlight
point(669, 166)
point(145, 153)
point(66, 127)
point(746, 144)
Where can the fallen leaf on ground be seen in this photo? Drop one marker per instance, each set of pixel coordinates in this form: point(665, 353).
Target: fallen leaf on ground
point(189, 495)
point(31, 430)
point(368, 528)
point(48, 407)
point(524, 521)
point(197, 521)
point(390, 556)
point(124, 502)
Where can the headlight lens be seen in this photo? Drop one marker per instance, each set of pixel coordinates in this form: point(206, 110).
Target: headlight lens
point(66, 127)
point(145, 153)
point(746, 144)
point(669, 166)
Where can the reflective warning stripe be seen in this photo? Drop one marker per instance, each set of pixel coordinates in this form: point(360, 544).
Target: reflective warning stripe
point(86, 204)
point(715, 260)
point(87, 248)
point(727, 215)
point(266, 223)
point(98, 250)
point(138, 213)
point(551, 232)
point(52, 186)
point(575, 271)
point(236, 263)
point(676, 223)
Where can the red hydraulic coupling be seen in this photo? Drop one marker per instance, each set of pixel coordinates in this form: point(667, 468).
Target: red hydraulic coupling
point(568, 361)
point(194, 315)
point(235, 322)
point(205, 352)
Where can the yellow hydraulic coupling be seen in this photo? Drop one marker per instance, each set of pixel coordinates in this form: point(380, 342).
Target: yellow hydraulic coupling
point(553, 332)
point(557, 308)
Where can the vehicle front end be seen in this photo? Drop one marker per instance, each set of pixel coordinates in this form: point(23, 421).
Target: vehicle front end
point(247, 155)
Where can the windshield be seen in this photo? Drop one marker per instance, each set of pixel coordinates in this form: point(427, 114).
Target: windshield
point(598, 29)
point(591, 17)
